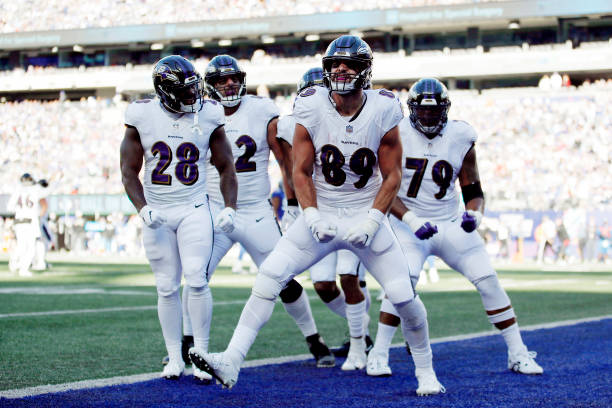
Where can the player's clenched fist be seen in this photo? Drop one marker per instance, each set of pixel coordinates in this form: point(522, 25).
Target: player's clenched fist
point(321, 230)
point(361, 235)
point(422, 228)
point(225, 220)
point(152, 218)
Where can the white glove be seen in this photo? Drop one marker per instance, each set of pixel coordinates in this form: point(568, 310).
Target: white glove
point(321, 230)
point(152, 218)
point(225, 220)
point(361, 235)
point(422, 228)
point(289, 217)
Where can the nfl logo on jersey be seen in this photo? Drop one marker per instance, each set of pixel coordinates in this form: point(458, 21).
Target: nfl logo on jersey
point(349, 129)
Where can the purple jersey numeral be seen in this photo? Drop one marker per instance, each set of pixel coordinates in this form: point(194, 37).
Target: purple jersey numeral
point(243, 164)
point(187, 169)
point(165, 157)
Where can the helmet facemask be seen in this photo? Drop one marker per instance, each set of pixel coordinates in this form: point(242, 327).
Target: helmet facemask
point(342, 82)
point(428, 114)
point(229, 96)
point(183, 98)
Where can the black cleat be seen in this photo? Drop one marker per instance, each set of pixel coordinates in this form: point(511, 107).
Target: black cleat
point(186, 344)
point(342, 351)
point(320, 351)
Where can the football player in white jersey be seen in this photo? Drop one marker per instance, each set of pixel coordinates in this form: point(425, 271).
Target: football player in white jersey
point(350, 138)
point(353, 301)
point(44, 241)
point(251, 126)
point(28, 207)
point(173, 133)
point(427, 218)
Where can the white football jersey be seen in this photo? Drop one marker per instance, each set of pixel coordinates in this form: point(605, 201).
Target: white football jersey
point(247, 132)
point(25, 202)
point(175, 149)
point(286, 128)
point(430, 168)
point(346, 172)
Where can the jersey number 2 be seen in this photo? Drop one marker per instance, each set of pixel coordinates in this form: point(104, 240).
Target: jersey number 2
point(441, 174)
point(186, 169)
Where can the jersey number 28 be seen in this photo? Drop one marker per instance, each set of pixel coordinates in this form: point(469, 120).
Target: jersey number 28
point(186, 170)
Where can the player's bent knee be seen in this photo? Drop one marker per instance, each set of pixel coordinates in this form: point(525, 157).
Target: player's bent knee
point(292, 292)
point(399, 291)
point(493, 295)
point(167, 292)
point(266, 287)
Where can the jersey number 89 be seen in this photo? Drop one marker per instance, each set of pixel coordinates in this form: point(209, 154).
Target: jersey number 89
point(362, 163)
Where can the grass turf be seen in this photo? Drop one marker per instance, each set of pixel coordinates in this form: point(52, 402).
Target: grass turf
point(53, 349)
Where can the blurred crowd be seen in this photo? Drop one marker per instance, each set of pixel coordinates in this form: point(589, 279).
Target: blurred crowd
point(41, 15)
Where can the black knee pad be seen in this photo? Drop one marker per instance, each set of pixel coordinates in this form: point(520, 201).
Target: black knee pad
point(362, 284)
point(291, 292)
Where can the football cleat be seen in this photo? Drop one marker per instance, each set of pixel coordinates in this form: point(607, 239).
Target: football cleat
point(173, 370)
point(523, 362)
point(186, 344)
point(356, 358)
point(343, 350)
point(428, 382)
point(201, 377)
point(378, 365)
point(320, 351)
point(219, 365)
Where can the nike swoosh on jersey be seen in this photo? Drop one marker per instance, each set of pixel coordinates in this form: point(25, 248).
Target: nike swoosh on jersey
point(259, 219)
point(199, 205)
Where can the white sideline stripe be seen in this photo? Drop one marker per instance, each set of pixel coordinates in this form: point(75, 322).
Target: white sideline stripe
point(113, 309)
point(130, 379)
point(104, 310)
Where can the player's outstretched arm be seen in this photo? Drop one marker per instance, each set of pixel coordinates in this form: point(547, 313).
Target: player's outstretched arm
point(390, 164)
point(222, 157)
point(303, 164)
point(473, 196)
point(131, 152)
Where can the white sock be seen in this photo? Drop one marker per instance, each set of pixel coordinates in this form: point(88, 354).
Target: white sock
point(368, 300)
point(416, 332)
point(354, 316)
point(366, 294)
point(187, 329)
point(200, 307)
point(255, 314)
point(169, 312)
point(512, 337)
point(338, 305)
point(302, 314)
point(384, 337)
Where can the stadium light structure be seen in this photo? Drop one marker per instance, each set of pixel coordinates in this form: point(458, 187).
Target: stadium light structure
point(195, 43)
point(268, 39)
point(514, 25)
point(225, 43)
point(157, 46)
point(54, 50)
point(77, 48)
point(312, 37)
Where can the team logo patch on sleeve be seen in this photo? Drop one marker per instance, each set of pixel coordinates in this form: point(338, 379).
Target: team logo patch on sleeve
point(386, 93)
point(308, 92)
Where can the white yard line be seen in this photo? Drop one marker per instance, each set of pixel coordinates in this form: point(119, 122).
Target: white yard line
point(79, 385)
point(104, 310)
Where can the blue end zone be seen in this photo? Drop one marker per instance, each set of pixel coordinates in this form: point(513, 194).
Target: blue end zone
point(577, 363)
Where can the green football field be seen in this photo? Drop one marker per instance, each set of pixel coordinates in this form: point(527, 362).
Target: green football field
point(84, 321)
